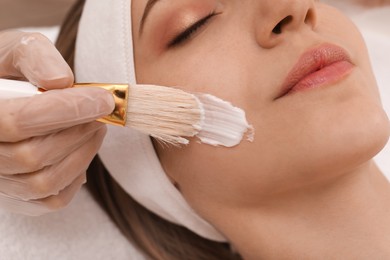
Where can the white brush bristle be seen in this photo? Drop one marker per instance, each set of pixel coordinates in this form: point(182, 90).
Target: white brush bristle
point(167, 114)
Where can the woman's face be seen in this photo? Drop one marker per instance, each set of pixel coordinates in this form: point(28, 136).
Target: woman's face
point(242, 51)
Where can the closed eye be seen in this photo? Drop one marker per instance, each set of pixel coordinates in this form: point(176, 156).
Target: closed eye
point(188, 33)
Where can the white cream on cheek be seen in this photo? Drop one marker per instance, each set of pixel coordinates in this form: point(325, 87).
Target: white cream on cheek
point(222, 123)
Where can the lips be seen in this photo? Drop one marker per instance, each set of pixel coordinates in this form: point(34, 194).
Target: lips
point(321, 66)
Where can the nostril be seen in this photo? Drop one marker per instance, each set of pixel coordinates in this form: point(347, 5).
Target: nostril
point(279, 27)
point(310, 17)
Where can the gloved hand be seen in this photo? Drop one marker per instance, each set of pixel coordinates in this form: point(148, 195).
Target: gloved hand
point(46, 141)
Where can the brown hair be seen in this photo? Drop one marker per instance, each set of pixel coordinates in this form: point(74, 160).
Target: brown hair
point(156, 237)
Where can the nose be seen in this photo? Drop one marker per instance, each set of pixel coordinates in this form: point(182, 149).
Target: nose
point(276, 19)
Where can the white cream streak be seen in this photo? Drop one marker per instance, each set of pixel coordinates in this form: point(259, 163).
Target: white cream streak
point(222, 123)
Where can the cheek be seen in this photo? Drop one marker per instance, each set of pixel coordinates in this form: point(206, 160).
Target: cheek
point(212, 175)
point(289, 152)
point(303, 139)
point(221, 64)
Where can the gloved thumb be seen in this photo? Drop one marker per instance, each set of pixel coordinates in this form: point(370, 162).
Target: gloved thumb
point(34, 57)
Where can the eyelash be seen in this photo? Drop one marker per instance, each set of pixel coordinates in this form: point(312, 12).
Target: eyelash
point(190, 31)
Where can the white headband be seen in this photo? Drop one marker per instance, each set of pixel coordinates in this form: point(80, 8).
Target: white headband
point(104, 53)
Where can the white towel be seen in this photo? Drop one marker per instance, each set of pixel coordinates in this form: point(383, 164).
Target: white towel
point(81, 231)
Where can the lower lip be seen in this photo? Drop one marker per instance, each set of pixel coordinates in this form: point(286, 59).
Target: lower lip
point(326, 76)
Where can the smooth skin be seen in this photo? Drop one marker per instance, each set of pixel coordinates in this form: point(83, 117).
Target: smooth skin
point(307, 187)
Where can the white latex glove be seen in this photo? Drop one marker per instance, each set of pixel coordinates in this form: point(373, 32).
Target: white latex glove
point(46, 141)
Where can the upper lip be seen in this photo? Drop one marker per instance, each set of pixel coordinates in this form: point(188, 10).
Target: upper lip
point(312, 61)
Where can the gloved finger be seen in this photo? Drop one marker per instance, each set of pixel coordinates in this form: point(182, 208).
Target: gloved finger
point(43, 206)
point(56, 202)
point(51, 112)
point(36, 153)
point(34, 57)
point(52, 179)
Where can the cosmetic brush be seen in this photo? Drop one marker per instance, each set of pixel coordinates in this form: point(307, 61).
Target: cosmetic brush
point(165, 113)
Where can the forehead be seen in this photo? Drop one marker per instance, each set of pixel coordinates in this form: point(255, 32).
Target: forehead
point(138, 6)
point(140, 10)
point(137, 9)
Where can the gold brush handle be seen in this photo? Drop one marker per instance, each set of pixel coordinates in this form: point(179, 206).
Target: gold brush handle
point(120, 93)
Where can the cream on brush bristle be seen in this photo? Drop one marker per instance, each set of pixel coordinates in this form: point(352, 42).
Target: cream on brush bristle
point(166, 114)
point(170, 114)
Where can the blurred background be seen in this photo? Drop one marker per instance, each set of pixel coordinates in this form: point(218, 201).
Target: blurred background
point(32, 13)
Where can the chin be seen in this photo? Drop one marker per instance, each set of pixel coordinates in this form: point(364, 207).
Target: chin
point(345, 133)
point(354, 141)
point(370, 137)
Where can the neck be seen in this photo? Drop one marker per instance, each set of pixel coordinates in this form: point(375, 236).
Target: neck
point(346, 219)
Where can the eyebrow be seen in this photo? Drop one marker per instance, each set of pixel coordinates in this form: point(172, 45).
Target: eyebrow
point(148, 8)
